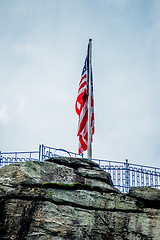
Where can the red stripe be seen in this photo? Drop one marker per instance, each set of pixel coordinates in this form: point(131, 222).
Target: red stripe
point(83, 145)
point(84, 76)
point(82, 85)
point(92, 102)
point(83, 122)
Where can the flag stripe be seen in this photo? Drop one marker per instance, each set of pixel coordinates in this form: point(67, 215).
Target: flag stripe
point(84, 77)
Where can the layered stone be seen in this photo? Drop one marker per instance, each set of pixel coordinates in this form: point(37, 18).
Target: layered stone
point(67, 199)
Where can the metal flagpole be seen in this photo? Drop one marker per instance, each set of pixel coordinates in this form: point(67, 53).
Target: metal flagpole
point(89, 150)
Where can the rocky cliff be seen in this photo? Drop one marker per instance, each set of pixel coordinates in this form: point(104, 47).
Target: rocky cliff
point(73, 199)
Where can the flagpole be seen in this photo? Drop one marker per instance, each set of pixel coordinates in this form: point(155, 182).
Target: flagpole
point(89, 150)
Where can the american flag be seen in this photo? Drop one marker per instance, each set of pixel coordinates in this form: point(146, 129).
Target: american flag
point(82, 108)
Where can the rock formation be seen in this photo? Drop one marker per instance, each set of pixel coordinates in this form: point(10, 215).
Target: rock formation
point(73, 199)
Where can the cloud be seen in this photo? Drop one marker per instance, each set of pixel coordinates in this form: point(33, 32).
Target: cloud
point(3, 113)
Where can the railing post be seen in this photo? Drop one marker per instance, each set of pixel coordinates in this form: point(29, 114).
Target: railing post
point(127, 176)
point(49, 151)
point(1, 159)
point(16, 156)
point(156, 179)
point(42, 152)
point(39, 152)
point(142, 177)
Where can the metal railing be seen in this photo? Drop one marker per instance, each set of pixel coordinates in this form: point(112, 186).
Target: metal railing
point(49, 152)
point(43, 153)
point(7, 158)
point(124, 174)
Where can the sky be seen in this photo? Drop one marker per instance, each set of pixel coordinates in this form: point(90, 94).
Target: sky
point(43, 46)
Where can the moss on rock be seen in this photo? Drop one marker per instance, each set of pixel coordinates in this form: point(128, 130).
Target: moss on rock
point(73, 186)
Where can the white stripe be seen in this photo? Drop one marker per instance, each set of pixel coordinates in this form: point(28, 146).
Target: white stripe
point(78, 105)
point(84, 110)
point(85, 79)
point(82, 89)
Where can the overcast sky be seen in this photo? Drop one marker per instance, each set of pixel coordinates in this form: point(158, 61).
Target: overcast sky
point(43, 46)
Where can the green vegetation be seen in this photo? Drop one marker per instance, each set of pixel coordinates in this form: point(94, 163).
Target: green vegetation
point(49, 194)
point(74, 186)
point(140, 204)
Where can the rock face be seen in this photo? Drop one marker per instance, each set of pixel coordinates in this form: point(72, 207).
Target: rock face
point(73, 199)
